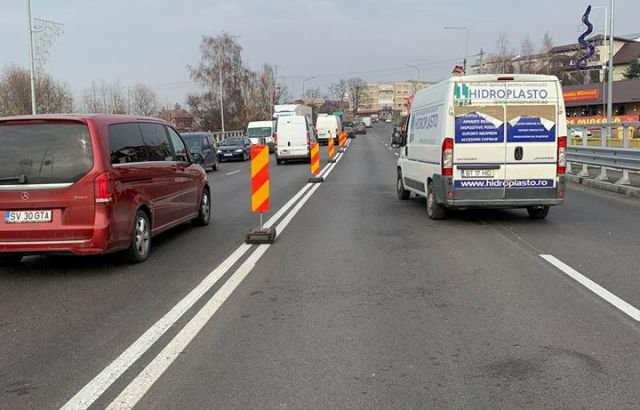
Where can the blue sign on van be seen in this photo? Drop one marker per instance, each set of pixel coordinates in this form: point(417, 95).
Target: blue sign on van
point(473, 127)
point(531, 129)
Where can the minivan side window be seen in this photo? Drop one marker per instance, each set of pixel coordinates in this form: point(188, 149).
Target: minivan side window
point(157, 141)
point(126, 144)
point(178, 146)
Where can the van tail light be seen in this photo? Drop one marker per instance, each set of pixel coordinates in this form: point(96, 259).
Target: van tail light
point(308, 138)
point(103, 189)
point(562, 155)
point(275, 138)
point(447, 157)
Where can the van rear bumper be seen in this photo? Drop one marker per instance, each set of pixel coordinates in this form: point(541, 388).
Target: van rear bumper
point(501, 203)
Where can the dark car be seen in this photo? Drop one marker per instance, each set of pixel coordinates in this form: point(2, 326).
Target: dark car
point(238, 148)
point(92, 184)
point(350, 132)
point(204, 148)
point(361, 129)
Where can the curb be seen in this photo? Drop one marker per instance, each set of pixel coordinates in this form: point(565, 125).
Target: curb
point(605, 186)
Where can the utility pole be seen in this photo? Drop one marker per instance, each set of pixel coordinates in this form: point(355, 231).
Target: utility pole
point(481, 62)
point(221, 96)
point(31, 62)
point(610, 79)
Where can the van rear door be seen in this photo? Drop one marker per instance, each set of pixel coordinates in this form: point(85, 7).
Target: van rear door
point(531, 143)
point(479, 153)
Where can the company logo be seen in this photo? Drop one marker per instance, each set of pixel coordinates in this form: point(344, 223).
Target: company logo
point(461, 94)
point(24, 196)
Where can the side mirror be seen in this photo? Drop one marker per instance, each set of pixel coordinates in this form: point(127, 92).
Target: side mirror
point(197, 158)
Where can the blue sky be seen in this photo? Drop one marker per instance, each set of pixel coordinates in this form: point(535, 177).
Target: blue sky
point(152, 41)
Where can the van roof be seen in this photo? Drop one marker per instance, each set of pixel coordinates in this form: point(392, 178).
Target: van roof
point(98, 118)
point(497, 77)
point(260, 123)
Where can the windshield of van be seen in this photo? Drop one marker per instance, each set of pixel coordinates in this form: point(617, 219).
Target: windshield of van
point(232, 142)
point(259, 132)
point(44, 153)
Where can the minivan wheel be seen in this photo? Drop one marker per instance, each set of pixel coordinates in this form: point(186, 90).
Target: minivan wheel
point(10, 259)
point(204, 210)
point(435, 210)
point(140, 239)
point(538, 212)
point(278, 161)
point(403, 194)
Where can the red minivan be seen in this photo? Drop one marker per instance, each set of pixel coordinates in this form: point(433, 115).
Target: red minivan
point(92, 184)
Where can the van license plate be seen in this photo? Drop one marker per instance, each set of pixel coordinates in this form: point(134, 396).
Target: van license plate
point(228, 155)
point(477, 173)
point(27, 217)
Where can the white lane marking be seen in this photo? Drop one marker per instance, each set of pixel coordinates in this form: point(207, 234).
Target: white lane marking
point(397, 155)
point(594, 287)
point(233, 172)
point(100, 383)
point(132, 394)
point(96, 387)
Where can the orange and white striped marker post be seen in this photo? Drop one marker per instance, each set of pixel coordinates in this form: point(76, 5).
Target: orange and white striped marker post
point(332, 150)
point(260, 194)
point(342, 140)
point(315, 163)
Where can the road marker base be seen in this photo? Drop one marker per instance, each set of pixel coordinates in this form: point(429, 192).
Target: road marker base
point(341, 149)
point(261, 236)
point(316, 179)
point(332, 161)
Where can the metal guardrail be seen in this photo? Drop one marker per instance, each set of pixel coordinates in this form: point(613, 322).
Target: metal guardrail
point(614, 148)
point(219, 136)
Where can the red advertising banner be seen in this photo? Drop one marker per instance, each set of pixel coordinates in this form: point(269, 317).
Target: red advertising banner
point(579, 95)
point(598, 120)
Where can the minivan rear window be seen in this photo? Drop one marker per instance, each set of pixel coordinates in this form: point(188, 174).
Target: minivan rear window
point(44, 153)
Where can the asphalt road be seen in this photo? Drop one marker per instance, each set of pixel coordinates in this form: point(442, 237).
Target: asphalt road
point(362, 302)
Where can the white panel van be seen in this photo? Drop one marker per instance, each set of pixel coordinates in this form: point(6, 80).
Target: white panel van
point(328, 126)
point(486, 141)
point(293, 137)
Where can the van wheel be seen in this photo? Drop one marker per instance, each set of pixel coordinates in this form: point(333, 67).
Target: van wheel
point(278, 161)
point(10, 259)
point(140, 239)
point(435, 210)
point(538, 212)
point(403, 194)
point(204, 210)
point(215, 166)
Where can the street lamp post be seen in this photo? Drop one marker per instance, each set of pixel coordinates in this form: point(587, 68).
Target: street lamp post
point(304, 81)
point(466, 47)
point(415, 87)
point(610, 79)
point(31, 62)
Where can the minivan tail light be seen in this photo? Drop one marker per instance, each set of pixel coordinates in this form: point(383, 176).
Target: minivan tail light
point(275, 138)
point(562, 155)
point(103, 189)
point(447, 157)
point(308, 138)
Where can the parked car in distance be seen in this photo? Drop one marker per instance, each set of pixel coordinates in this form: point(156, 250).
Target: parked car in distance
point(361, 129)
point(261, 133)
point(350, 132)
point(577, 132)
point(388, 121)
point(238, 148)
point(203, 147)
point(93, 184)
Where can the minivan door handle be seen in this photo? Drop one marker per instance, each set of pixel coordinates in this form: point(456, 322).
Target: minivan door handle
point(519, 153)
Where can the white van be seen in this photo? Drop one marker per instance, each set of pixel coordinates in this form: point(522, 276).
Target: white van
point(293, 136)
point(261, 132)
point(328, 126)
point(486, 141)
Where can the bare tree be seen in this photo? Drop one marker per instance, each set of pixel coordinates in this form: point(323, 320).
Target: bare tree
point(143, 101)
point(105, 98)
point(547, 43)
point(357, 92)
point(504, 53)
point(338, 91)
point(312, 93)
point(221, 55)
point(526, 51)
point(15, 93)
